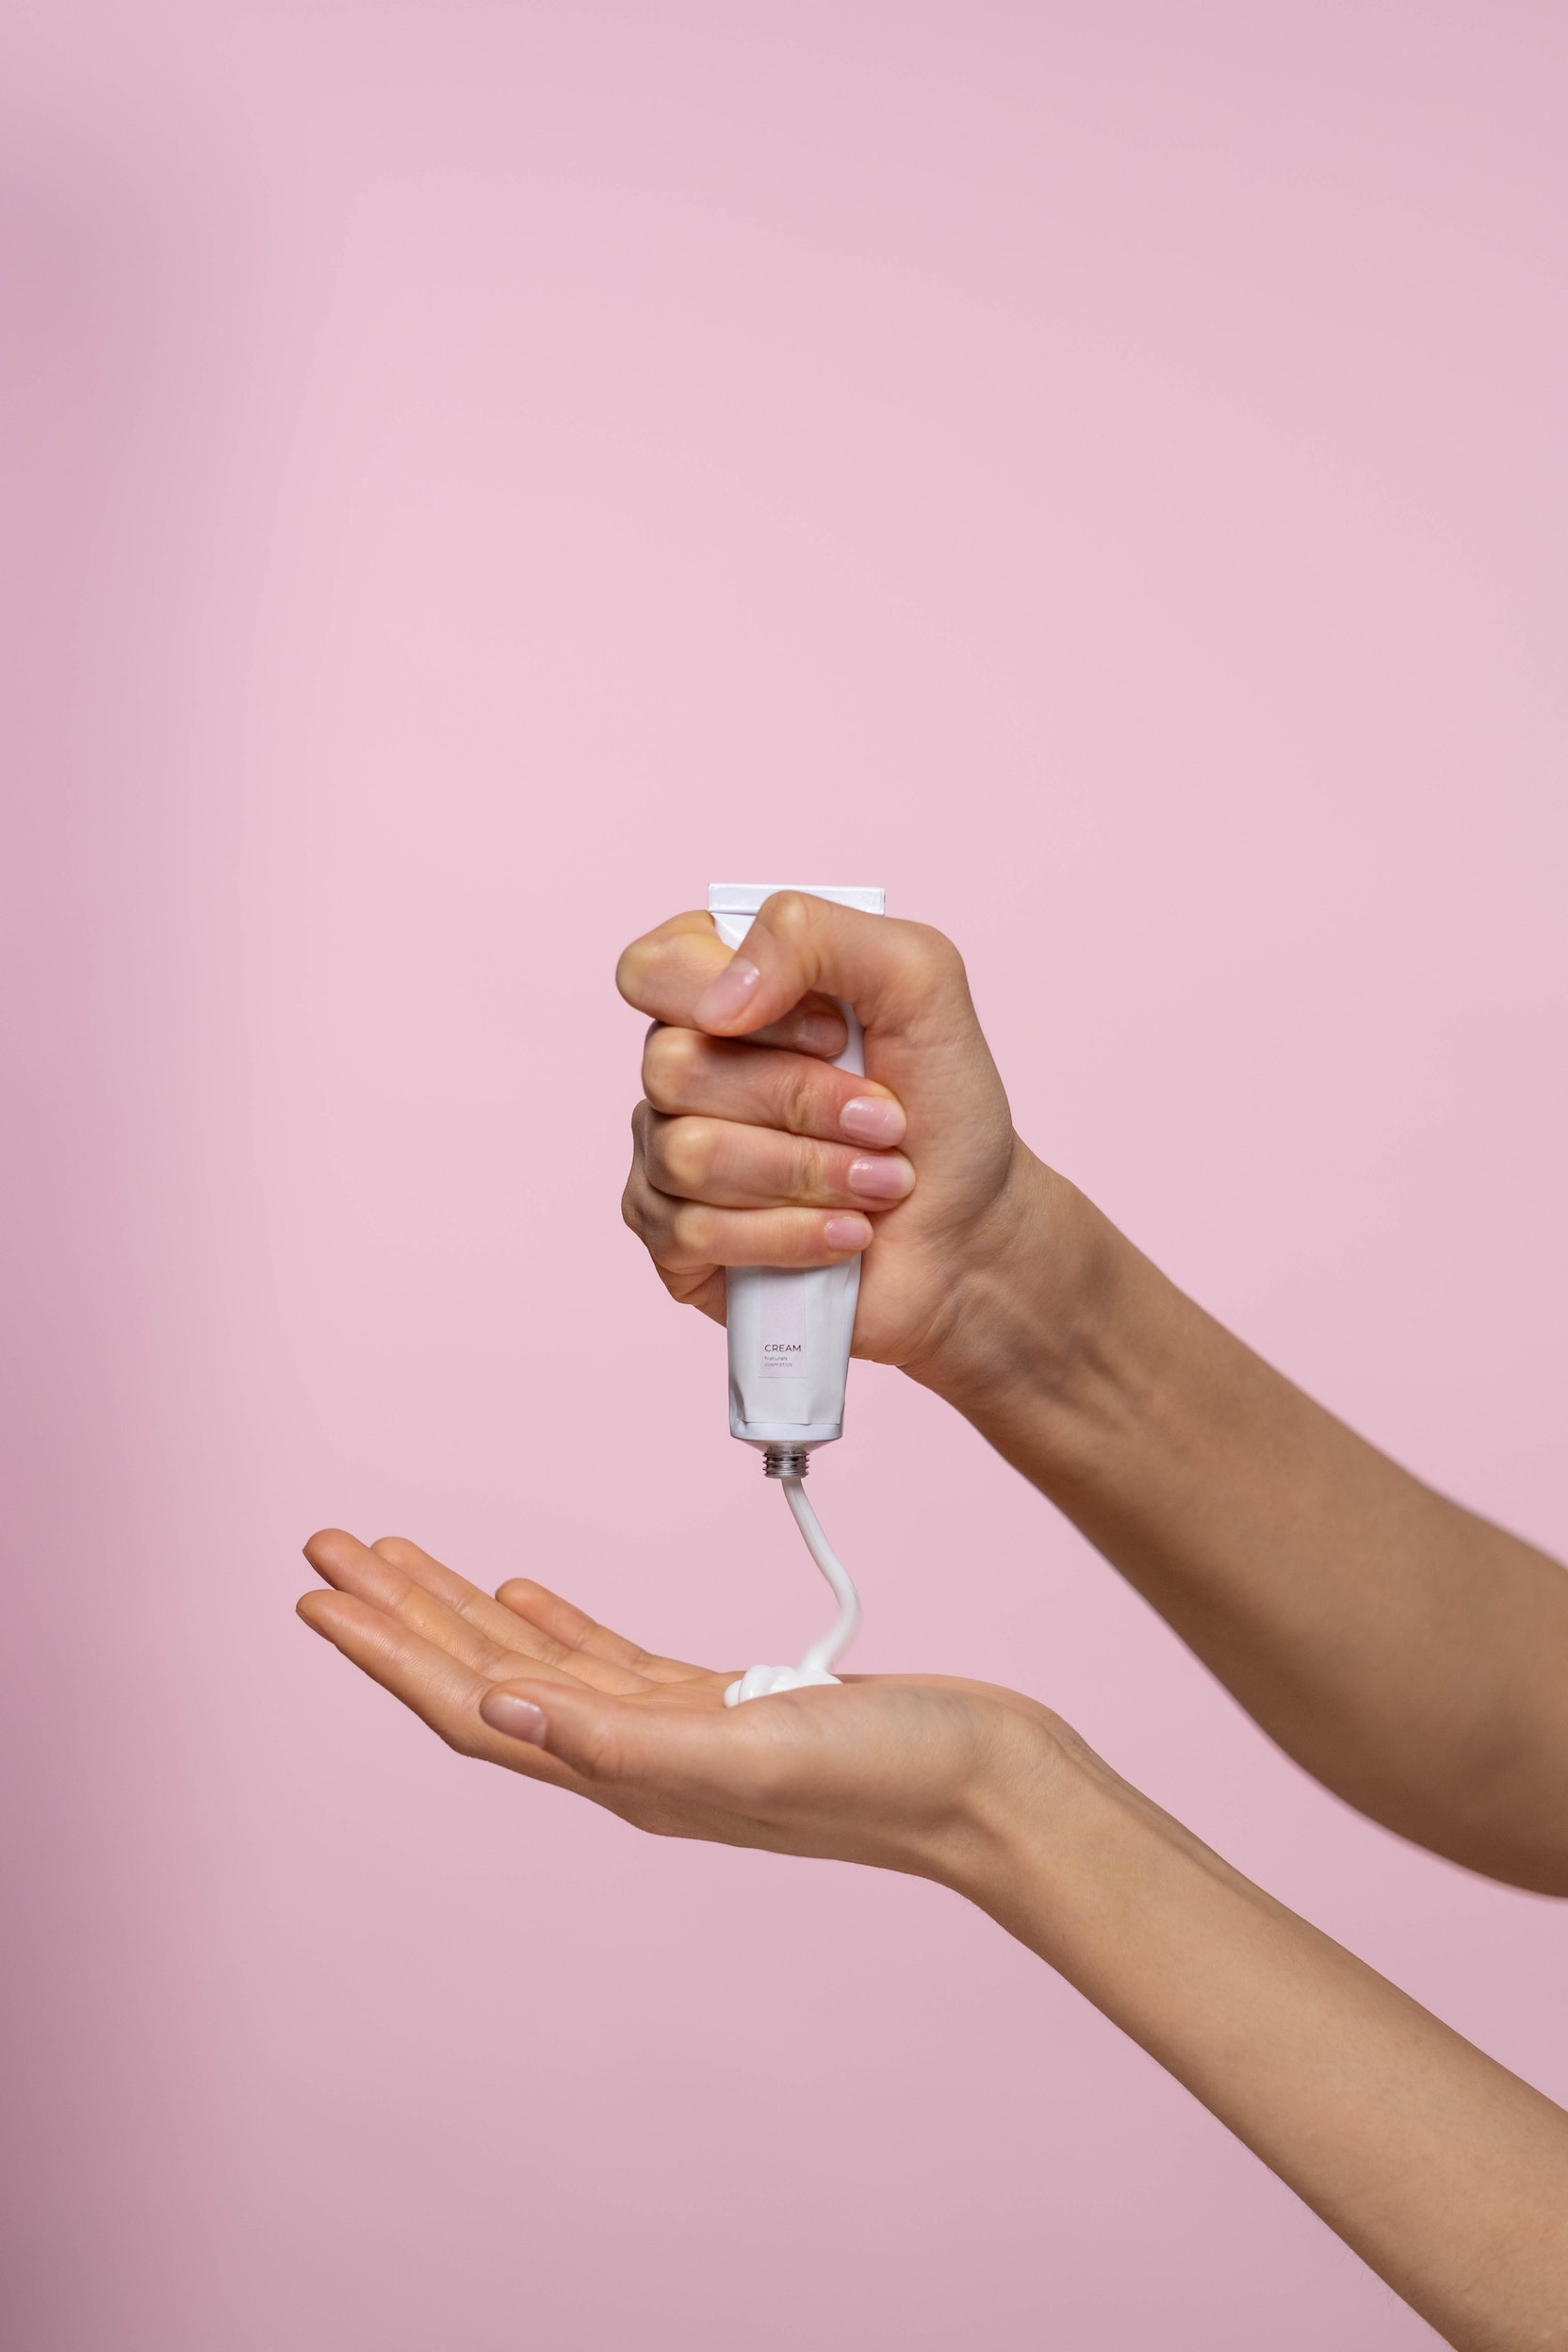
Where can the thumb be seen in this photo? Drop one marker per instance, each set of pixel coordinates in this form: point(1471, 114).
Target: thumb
point(895, 974)
point(629, 1742)
point(923, 1039)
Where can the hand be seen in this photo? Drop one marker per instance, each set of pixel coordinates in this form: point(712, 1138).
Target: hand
point(899, 1770)
point(751, 1150)
point(1443, 2171)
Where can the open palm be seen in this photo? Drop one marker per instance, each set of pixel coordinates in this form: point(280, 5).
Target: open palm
point(883, 1769)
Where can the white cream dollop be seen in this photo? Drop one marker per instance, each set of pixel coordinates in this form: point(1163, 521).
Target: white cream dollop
point(760, 1682)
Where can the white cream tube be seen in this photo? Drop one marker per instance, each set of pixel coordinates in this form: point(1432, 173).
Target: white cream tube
point(789, 1332)
point(788, 1345)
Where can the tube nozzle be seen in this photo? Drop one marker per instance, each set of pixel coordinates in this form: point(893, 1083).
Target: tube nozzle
point(786, 1462)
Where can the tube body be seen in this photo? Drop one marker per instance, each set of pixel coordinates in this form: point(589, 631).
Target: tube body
point(789, 1332)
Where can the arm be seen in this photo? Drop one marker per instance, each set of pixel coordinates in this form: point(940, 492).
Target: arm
point(1408, 1654)
point(1445, 2172)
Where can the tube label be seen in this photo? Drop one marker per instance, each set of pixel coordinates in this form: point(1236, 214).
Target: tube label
point(781, 1305)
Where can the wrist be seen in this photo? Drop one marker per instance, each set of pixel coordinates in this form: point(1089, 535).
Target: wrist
point(1082, 1867)
point(1035, 1326)
point(1029, 1816)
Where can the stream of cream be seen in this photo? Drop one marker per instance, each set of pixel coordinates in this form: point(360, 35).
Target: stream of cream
point(759, 1682)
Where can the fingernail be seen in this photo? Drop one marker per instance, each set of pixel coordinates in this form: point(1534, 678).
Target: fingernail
point(871, 1119)
point(885, 1178)
point(519, 1718)
point(730, 994)
point(847, 1233)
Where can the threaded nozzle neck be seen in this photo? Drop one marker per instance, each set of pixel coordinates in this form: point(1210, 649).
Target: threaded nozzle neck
point(786, 1462)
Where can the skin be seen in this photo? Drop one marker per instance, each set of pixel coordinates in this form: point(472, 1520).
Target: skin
point(1412, 1655)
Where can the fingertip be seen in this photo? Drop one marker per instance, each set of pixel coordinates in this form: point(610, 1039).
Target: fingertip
point(517, 1591)
point(729, 997)
point(521, 1596)
point(846, 1234)
point(873, 1118)
point(325, 1542)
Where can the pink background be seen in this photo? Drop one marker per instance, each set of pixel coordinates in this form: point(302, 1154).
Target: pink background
point(472, 474)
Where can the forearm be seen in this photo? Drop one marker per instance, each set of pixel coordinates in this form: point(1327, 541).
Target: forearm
point(1445, 2173)
point(1411, 1656)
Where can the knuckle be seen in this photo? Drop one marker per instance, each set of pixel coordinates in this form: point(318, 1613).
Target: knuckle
point(934, 956)
point(655, 1150)
point(813, 1172)
point(655, 1063)
point(684, 1152)
point(630, 973)
point(653, 1146)
point(669, 1061)
point(790, 915)
point(799, 1099)
point(689, 1235)
point(646, 1209)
